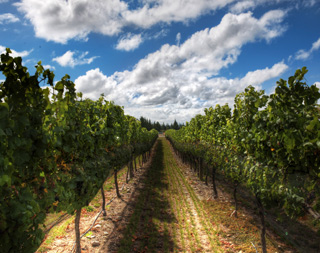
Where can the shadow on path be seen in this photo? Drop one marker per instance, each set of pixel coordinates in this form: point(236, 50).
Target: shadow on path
point(150, 224)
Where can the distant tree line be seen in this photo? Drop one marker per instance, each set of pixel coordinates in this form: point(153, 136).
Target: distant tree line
point(159, 127)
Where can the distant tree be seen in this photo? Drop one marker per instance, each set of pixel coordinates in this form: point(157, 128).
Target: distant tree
point(149, 126)
point(159, 127)
point(142, 121)
point(175, 125)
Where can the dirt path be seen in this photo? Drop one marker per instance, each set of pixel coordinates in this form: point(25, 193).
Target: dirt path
point(166, 215)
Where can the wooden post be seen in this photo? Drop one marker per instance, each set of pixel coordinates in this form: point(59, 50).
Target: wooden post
point(77, 229)
point(263, 225)
point(103, 202)
point(116, 182)
point(235, 200)
point(215, 192)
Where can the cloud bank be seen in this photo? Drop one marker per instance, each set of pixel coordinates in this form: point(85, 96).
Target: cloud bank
point(178, 81)
point(60, 20)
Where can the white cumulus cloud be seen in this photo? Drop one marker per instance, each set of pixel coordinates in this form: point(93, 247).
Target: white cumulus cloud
point(129, 42)
point(178, 38)
point(305, 54)
point(60, 20)
point(7, 18)
point(245, 5)
point(15, 53)
point(259, 76)
point(94, 83)
point(73, 58)
point(176, 82)
point(309, 3)
point(167, 11)
point(165, 103)
point(241, 6)
point(48, 67)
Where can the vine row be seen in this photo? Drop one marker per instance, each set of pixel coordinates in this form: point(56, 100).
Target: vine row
point(56, 150)
point(268, 144)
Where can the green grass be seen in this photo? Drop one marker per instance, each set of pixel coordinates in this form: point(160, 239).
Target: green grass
point(55, 232)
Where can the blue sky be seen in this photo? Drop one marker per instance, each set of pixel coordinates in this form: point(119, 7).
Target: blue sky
point(166, 59)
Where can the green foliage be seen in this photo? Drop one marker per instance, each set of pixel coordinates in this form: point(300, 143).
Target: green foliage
point(56, 150)
point(89, 208)
point(270, 144)
point(24, 155)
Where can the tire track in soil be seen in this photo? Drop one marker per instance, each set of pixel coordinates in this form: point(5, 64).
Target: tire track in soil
point(202, 229)
point(182, 209)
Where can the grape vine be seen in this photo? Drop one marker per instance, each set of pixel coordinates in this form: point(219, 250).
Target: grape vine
point(269, 144)
point(56, 150)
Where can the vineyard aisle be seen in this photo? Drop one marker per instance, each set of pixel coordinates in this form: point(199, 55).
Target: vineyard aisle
point(164, 208)
point(167, 216)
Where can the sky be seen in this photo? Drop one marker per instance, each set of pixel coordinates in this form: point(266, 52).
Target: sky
point(165, 60)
